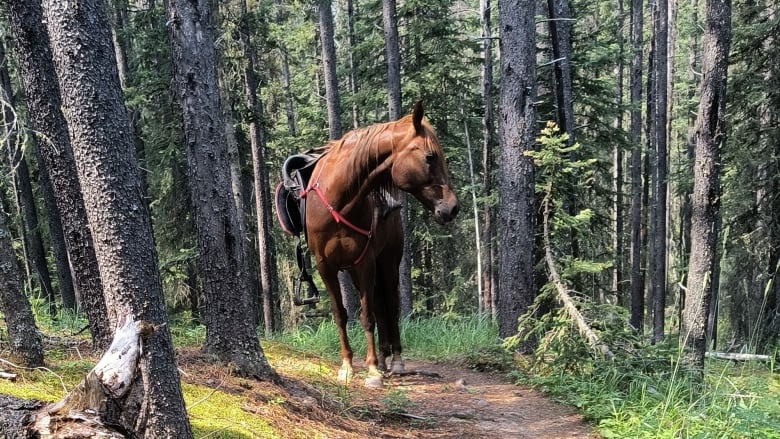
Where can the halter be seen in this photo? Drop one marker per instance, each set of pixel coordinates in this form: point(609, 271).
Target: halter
point(337, 217)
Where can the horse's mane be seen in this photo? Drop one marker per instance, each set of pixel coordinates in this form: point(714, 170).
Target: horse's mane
point(365, 144)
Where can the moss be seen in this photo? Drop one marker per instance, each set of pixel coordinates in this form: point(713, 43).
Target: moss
point(219, 415)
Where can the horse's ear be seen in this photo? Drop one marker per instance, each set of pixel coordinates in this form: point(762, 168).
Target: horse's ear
point(417, 117)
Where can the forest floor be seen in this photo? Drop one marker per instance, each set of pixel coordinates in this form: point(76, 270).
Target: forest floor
point(441, 400)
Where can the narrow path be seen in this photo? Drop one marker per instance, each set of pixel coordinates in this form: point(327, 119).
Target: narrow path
point(469, 404)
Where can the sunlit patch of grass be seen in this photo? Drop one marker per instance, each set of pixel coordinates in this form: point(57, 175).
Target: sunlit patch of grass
point(46, 385)
point(422, 338)
point(442, 339)
point(215, 414)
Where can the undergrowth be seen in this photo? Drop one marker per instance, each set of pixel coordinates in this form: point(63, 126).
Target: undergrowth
point(644, 392)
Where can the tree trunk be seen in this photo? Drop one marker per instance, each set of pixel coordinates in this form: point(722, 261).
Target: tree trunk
point(558, 12)
point(123, 51)
point(705, 200)
point(288, 95)
point(272, 313)
point(690, 142)
point(38, 76)
point(230, 332)
point(661, 133)
point(352, 42)
point(517, 131)
point(332, 99)
point(393, 61)
point(617, 170)
point(56, 233)
point(24, 192)
point(487, 301)
point(103, 148)
point(235, 165)
point(333, 103)
point(23, 337)
point(637, 287)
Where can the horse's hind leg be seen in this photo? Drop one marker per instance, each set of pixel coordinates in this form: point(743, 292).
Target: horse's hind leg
point(387, 310)
point(364, 281)
point(330, 278)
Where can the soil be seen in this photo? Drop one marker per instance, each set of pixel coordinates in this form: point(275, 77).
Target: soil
point(437, 401)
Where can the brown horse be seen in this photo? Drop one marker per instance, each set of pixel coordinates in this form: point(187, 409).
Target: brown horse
point(353, 224)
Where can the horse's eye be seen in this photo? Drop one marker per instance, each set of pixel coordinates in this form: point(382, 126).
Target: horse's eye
point(430, 158)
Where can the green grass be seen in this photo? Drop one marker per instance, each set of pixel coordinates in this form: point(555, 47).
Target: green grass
point(422, 339)
point(736, 401)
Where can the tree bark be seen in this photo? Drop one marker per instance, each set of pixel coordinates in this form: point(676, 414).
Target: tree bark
point(38, 76)
point(15, 415)
point(705, 200)
point(103, 148)
point(560, 35)
point(23, 336)
point(517, 132)
point(332, 99)
point(230, 332)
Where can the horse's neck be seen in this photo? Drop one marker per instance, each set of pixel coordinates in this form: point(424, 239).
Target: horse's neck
point(358, 177)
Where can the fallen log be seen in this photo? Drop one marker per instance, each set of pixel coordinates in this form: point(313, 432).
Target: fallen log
point(96, 408)
point(7, 376)
point(737, 357)
point(563, 295)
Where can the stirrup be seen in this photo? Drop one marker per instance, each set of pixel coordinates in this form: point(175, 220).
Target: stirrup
point(313, 295)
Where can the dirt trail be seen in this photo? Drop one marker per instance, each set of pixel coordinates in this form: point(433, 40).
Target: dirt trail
point(441, 401)
point(468, 404)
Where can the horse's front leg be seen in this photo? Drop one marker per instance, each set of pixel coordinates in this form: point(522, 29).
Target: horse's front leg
point(364, 281)
point(330, 278)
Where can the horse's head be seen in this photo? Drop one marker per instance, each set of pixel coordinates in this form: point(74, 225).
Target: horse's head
point(420, 169)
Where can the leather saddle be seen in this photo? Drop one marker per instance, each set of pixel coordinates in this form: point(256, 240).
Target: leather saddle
point(291, 213)
point(290, 205)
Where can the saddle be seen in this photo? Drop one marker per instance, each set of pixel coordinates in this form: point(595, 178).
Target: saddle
point(291, 213)
point(290, 205)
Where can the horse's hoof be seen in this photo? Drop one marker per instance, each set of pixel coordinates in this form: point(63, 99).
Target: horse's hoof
point(345, 375)
point(397, 367)
point(374, 382)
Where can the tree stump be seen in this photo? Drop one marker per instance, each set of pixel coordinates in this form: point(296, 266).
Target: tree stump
point(104, 405)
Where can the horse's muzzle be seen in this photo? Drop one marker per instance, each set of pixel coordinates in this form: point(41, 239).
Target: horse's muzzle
point(445, 213)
